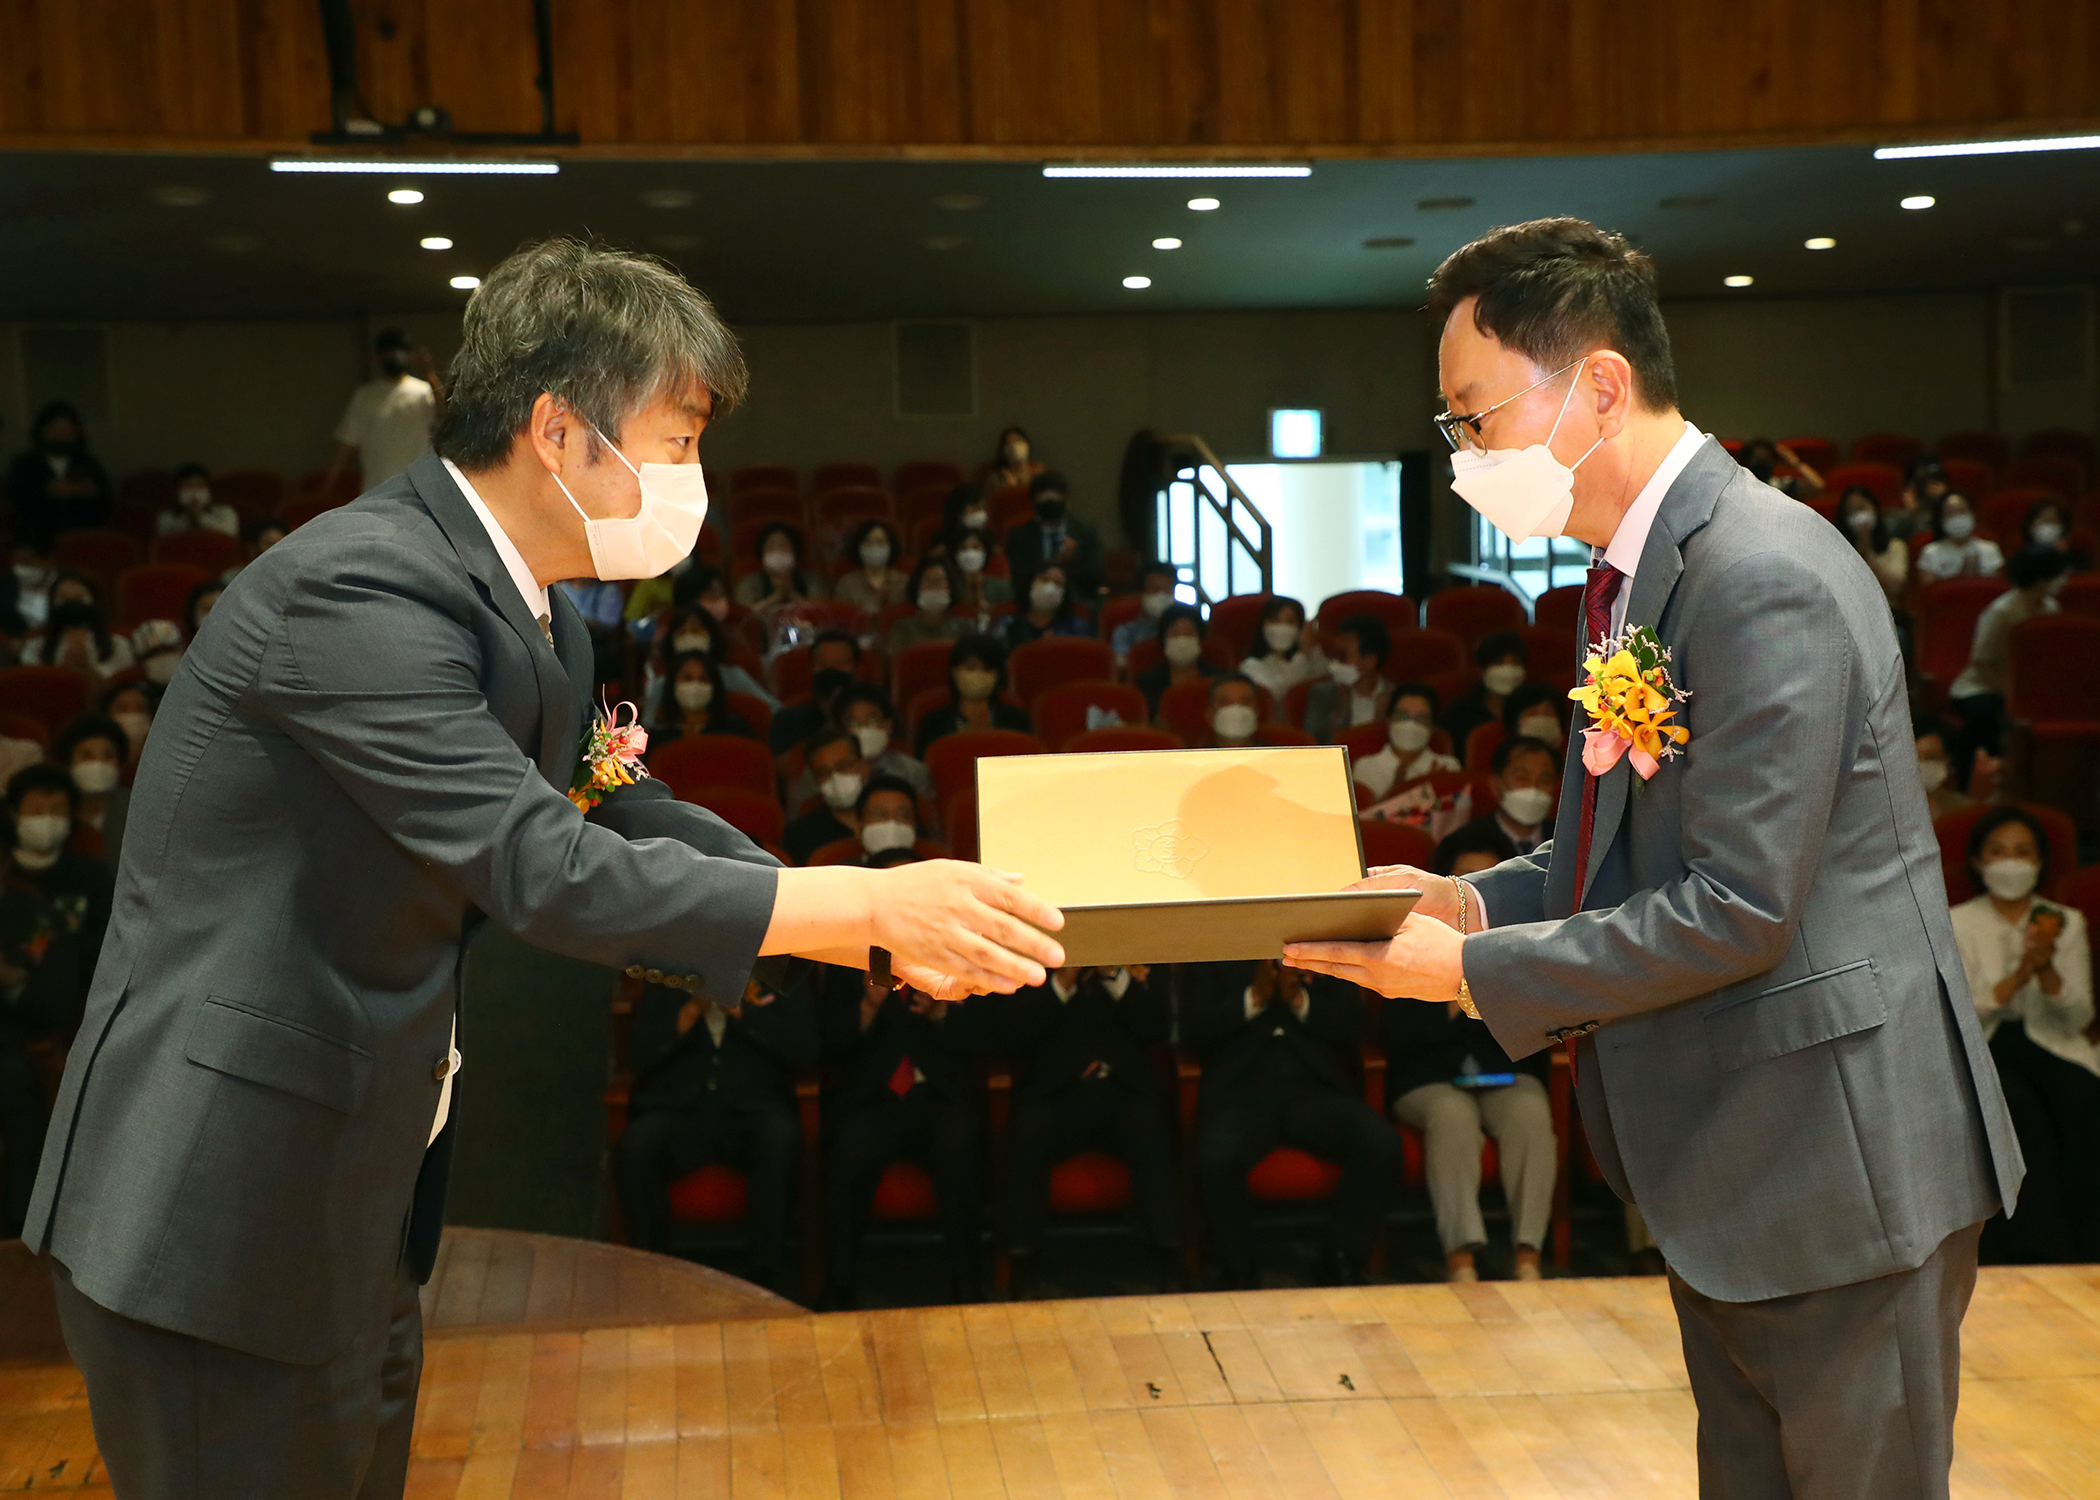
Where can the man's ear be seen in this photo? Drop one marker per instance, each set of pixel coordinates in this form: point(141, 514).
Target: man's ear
point(550, 429)
point(1610, 377)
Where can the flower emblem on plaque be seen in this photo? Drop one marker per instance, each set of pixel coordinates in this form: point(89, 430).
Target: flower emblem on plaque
point(1169, 849)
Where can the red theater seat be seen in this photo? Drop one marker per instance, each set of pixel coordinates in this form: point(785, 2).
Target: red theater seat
point(690, 764)
point(1991, 449)
point(157, 591)
point(842, 476)
point(1891, 448)
point(1395, 844)
point(53, 696)
point(1123, 737)
point(102, 554)
point(1288, 1175)
point(1820, 454)
point(758, 816)
point(764, 477)
point(1234, 620)
point(1882, 480)
point(1472, 611)
point(952, 759)
point(926, 474)
point(1946, 625)
point(1397, 611)
point(1053, 661)
point(1092, 1182)
point(905, 1192)
point(1559, 609)
point(1060, 714)
point(714, 1194)
point(212, 551)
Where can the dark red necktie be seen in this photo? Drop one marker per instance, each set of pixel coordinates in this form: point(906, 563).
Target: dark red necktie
point(902, 1080)
point(1598, 595)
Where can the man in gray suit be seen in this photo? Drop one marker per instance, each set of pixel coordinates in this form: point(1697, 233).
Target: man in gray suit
point(1749, 948)
point(365, 754)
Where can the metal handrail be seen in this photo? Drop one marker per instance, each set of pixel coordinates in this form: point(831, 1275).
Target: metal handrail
point(1262, 551)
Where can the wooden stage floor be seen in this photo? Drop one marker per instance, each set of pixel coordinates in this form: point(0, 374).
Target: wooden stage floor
point(1561, 1388)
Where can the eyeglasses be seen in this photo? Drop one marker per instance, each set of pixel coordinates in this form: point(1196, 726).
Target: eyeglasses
point(1461, 429)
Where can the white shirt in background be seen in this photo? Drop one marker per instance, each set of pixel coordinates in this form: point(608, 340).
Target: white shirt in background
point(1991, 948)
point(1990, 650)
point(388, 422)
point(1279, 674)
point(1381, 771)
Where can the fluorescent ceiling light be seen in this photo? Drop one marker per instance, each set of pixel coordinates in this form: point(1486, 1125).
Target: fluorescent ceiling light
point(1918, 200)
point(435, 242)
point(1737, 280)
point(1203, 205)
point(418, 168)
point(1166, 242)
point(465, 283)
point(1137, 283)
point(1990, 148)
point(1294, 432)
point(405, 195)
point(1820, 242)
point(1171, 169)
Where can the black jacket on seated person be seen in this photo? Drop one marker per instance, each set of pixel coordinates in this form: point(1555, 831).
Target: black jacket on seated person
point(1055, 1044)
point(945, 1050)
point(941, 722)
point(1238, 1054)
point(1425, 1043)
point(1025, 549)
point(763, 1047)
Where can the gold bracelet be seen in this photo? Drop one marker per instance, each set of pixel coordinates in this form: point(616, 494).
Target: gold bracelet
point(1465, 991)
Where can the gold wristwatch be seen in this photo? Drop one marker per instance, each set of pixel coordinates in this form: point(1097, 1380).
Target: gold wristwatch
point(1465, 991)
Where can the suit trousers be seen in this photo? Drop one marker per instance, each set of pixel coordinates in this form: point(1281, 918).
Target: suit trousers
point(660, 1146)
point(945, 1134)
point(1520, 1118)
point(1106, 1115)
point(1842, 1394)
point(178, 1418)
point(1233, 1135)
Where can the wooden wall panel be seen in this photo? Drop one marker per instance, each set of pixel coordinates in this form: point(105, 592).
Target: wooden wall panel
point(1030, 77)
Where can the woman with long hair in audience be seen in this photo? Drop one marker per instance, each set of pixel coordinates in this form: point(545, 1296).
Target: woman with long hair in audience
point(132, 706)
point(1866, 527)
point(932, 590)
point(1013, 462)
point(1050, 611)
point(192, 508)
point(965, 509)
point(1956, 551)
point(198, 606)
point(979, 592)
point(1181, 633)
point(878, 577)
point(1286, 649)
point(2048, 524)
point(2031, 976)
point(57, 485)
point(976, 678)
point(76, 632)
point(693, 629)
point(781, 579)
point(697, 702)
point(93, 750)
point(1977, 696)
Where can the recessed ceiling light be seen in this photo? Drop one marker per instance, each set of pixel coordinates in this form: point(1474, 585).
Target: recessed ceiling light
point(1820, 242)
point(668, 198)
point(1137, 283)
point(1388, 242)
point(435, 242)
point(465, 283)
point(180, 195)
point(405, 195)
point(418, 168)
point(1918, 200)
point(1990, 148)
point(1176, 169)
point(1432, 205)
point(1737, 280)
point(1166, 242)
point(1203, 205)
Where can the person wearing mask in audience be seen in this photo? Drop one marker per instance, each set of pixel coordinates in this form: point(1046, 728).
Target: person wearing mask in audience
point(1155, 593)
point(388, 423)
point(43, 805)
point(1181, 659)
point(780, 580)
point(879, 578)
point(965, 509)
point(262, 534)
point(198, 607)
point(1012, 465)
point(867, 713)
point(76, 634)
point(1925, 486)
point(697, 703)
point(2048, 524)
point(980, 594)
point(906, 1087)
point(157, 646)
point(835, 766)
point(694, 628)
point(1762, 457)
point(1866, 526)
point(1944, 794)
point(192, 508)
point(976, 679)
point(57, 486)
point(1286, 650)
point(716, 1083)
point(2031, 974)
point(1054, 535)
point(93, 750)
point(1084, 1081)
point(932, 590)
point(834, 666)
point(1050, 611)
point(1534, 711)
point(1235, 712)
point(1956, 551)
point(1355, 691)
point(1504, 662)
point(1526, 778)
point(1277, 1048)
point(888, 814)
point(1448, 1078)
point(704, 586)
point(1978, 694)
point(34, 576)
point(1406, 755)
point(131, 706)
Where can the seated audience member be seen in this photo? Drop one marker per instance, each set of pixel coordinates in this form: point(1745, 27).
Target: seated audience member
point(34, 577)
point(57, 485)
point(1956, 551)
point(865, 711)
point(2031, 976)
point(965, 509)
point(1945, 791)
point(1406, 755)
point(1977, 696)
point(888, 815)
point(702, 585)
point(1083, 1082)
point(1762, 457)
point(979, 592)
point(1181, 659)
point(1286, 651)
point(1235, 712)
point(907, 1086)
point(198, 607)
point(132, 706)
point(1526, 779)
point(1866, 526)
point(878, 578)
point(697, 703)
point(2048, 525)
point(43, 803)
point(1355, 691)
point(716, 1083)
point(1054, 535)
point(834, 665)
point(1012, 464)
point(192, 508)
point(1534, 711)
point(976, 677)
point(1156, 592)
point(781, 578)
point(1925, 486)
point(157, 647)
point(835, 766)
point(932, 590)
point(693, 629)
point(260, 536)
point(1504, 664)
point(1049, 611)
point(76, 633)
point(1278, 1053)
point(1443, 1077)
point(93, 751)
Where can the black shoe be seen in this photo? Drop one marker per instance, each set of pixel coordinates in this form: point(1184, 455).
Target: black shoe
point(1337, 1269)
point(1172, 1272)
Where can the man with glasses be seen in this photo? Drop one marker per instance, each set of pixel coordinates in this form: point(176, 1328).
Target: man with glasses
point(1746, 945)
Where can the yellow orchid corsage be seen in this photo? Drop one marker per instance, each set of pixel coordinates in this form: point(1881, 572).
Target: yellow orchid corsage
point(1630, 700)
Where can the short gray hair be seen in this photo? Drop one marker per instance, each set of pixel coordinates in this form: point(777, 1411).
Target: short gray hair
point(605, 331)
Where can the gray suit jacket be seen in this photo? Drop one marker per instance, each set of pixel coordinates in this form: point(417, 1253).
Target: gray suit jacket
point(1786, 1073)
point(367, 748)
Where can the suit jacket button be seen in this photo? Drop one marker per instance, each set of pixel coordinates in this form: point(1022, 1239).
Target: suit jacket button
point(634, 971)
point(692, 982)
point(654, 976)
point(442, 1071)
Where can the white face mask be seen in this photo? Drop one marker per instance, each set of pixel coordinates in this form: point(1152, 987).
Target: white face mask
point(1235, 721)
point(873, 739)
point(970, 559)
point(692, 640)
point(1540, 727)
point(1408, 736)
point(1182, 650)
point(1932, 774)
point(194, 497)
point(659, 535)
point(1503, 680)
point(1047, 596)
point(1524, 492)
point(841, 789)
point(1345, 673)
point(934, 601)
point(694, 696)
point(875, 554)
point(779, 560)
point(160, 667)
point(1958, 526)
point(879, 838)
point(1280, 634)
point(1859, 521)
point(975, 683)
point(976, 518)
point(42, 833)
point(95, 777)
point(1526, 806)
point(2046, 533)
point(1155, 605)
point(2011, 879)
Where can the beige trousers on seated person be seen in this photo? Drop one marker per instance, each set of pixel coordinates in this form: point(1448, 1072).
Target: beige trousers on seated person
point(1520, 1118)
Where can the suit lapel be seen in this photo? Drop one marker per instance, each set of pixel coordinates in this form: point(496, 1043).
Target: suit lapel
point(470, 539)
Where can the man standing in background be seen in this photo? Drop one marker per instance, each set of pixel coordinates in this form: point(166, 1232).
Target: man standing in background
point(388, 422)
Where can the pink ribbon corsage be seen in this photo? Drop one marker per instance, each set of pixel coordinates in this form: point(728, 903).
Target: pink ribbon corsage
point(611, 757)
